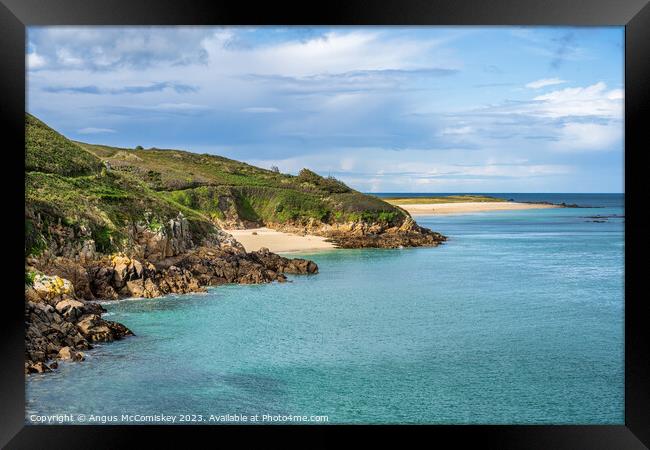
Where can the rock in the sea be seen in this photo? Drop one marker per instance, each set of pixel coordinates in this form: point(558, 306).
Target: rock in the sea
point(96, 329)
point(93, 328)
point(212, 267)
point(94, 308)
point(68, 354)
point(39, 367)
point(280, 264)
point(392, 239)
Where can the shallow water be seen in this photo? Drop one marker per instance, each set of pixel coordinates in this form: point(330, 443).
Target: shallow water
point(518, 318)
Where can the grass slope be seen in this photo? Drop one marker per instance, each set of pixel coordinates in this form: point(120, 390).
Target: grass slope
point(218, 187)
point(67, 186)
point(48, 151)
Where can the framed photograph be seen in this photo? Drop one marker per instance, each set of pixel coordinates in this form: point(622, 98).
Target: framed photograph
point(246, 219)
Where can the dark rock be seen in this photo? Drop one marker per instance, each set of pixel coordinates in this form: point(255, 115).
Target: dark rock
point(396, 239)
point(96, 329)
point(39, 367)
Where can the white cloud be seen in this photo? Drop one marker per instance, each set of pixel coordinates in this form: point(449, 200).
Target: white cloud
point(114, 47)
point(35, 61)
point(68, 58)
point(590, 137)
point(544, 82)
point(92, 130)
point(592, 100)
point(334, 52)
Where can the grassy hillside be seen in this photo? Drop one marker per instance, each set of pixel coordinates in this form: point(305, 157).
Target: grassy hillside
point(224, 189)
point(66, 186)
point(102, 191)
point(47, 151)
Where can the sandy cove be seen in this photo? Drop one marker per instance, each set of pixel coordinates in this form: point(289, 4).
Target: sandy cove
point(468, 207)
point(279, 242)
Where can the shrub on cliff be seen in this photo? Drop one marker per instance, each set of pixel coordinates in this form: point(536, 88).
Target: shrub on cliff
point(329, 184)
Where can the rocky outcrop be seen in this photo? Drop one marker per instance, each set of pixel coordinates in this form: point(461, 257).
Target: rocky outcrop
point(406, 233)
point(72, 242)
point(159, 241)
point(388, 240)
point(121, 276)
point(59, 324)
point(69, 269)
point(62, 322)
point(213, 267)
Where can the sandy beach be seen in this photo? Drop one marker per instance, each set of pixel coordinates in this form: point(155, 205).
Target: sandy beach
point(467, 207)
point(255, 238)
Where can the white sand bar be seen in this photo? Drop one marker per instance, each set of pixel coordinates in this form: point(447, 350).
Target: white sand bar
point(467, 207)
point(278, 242)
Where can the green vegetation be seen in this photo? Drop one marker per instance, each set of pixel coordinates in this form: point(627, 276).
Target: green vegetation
point(101, 203)
point(221, 188)
point(34, 241)
point(103, 191)
point(30, 275)
point(442, 199)
point(48, 151)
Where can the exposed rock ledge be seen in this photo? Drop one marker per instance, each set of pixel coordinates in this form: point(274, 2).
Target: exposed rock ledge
point(62, 319)
point(59, 324)
point(364, 235)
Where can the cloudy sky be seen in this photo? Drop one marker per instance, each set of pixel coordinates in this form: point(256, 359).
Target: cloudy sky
point(385, 109)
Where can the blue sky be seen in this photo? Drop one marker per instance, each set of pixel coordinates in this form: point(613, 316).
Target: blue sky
point(385, 109)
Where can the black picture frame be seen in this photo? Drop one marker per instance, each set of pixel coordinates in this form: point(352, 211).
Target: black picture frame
point(15, 15)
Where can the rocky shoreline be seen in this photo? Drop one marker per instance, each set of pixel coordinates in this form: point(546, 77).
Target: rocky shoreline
point(63, 319)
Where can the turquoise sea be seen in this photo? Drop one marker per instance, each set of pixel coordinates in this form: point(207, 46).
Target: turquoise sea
point(518, 318)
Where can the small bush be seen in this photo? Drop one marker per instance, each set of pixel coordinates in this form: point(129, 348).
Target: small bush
point(103, 239)
point(30, 275)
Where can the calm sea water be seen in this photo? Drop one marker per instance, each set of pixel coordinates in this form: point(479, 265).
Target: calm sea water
point(518, 318)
